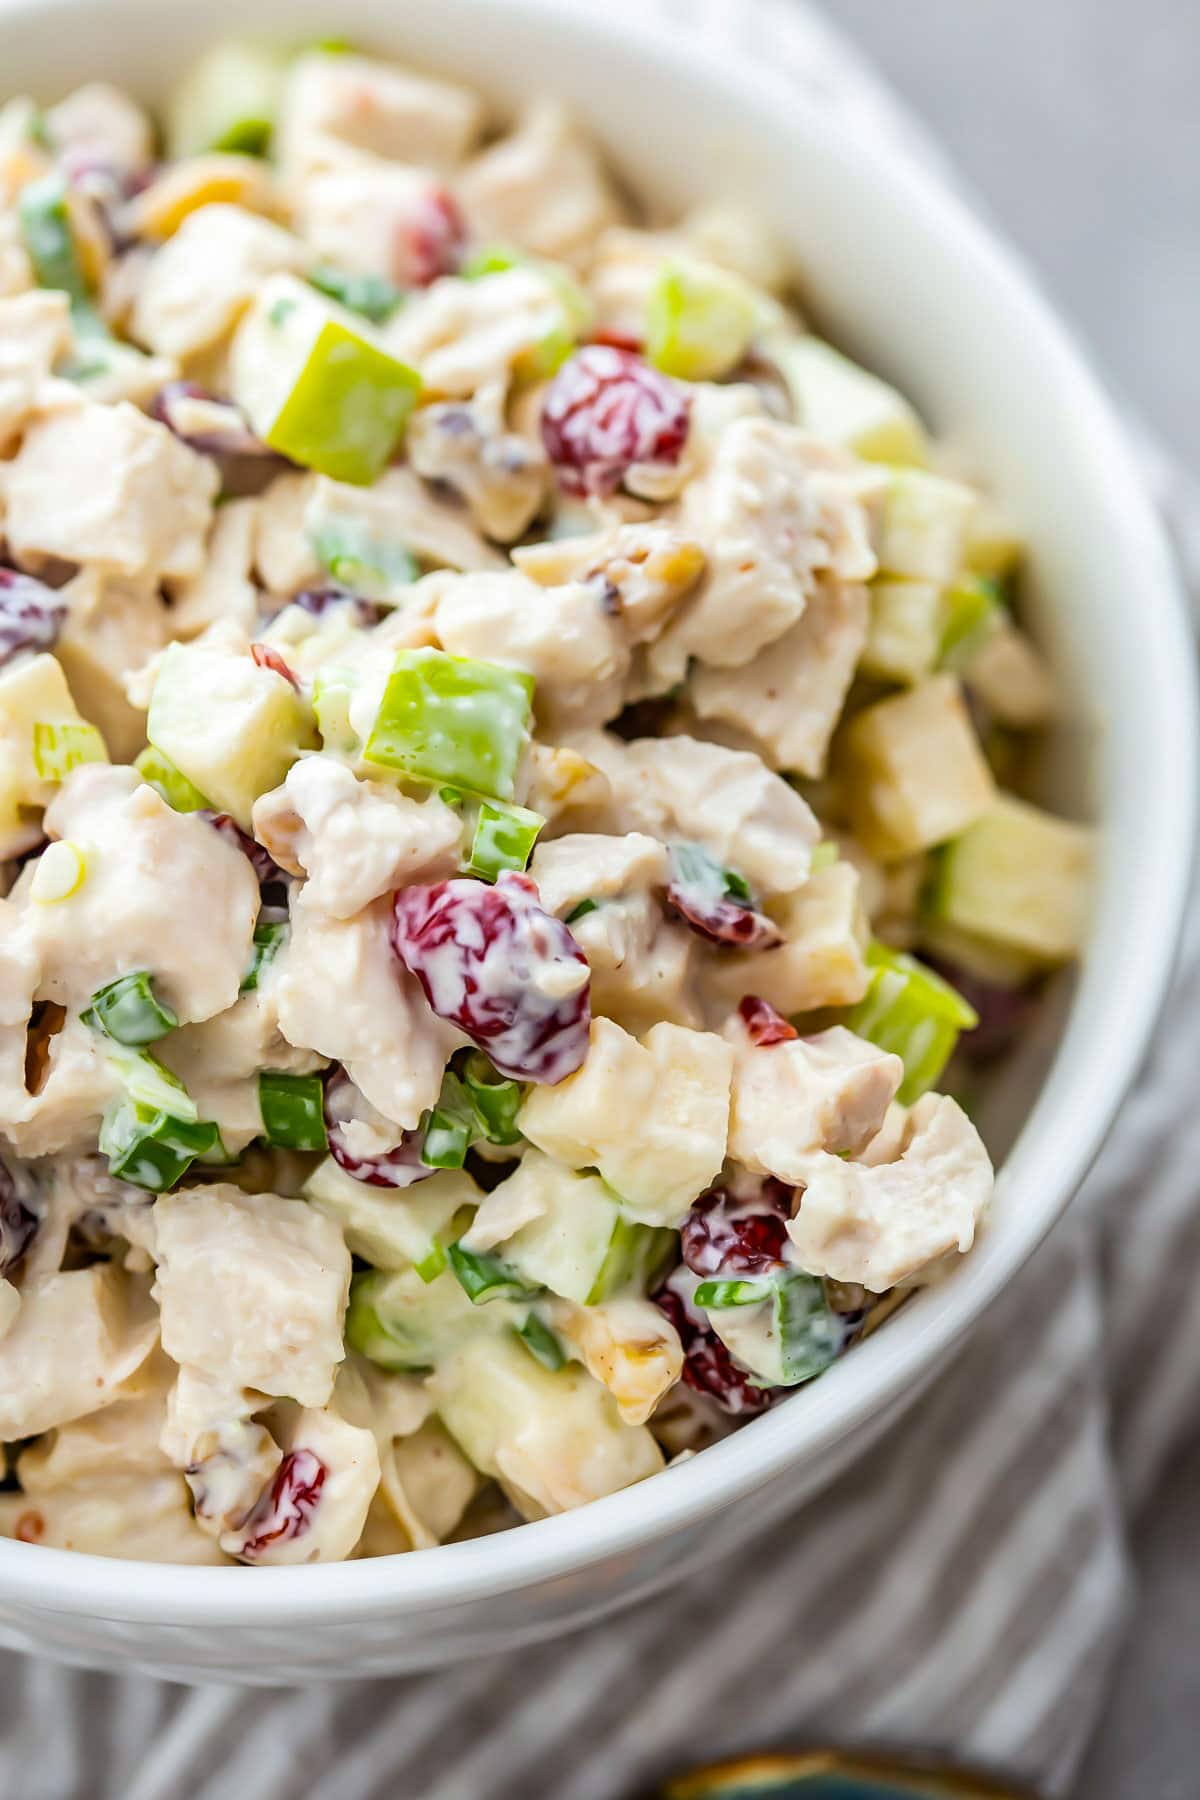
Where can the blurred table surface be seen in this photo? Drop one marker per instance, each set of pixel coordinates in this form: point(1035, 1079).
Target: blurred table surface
point(1076, 122)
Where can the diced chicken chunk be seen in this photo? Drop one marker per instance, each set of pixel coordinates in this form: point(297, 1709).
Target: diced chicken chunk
point(775, 510)
point(283, 556)
point(198, 285)
point(586, 865)
point(652, 1117)
point(393, 1047)
point(71, 1084)
point(543, 188)
point(678, 788)
point(333, 1519)
point(645, 571)
point(354, 840)
point(252, 1290)
point(790, 697)
point(821, 961)
point(35, 331)
point(828, 1092)
point(466, 335)
point(112, 625)
point(224, 588)
point(335, 104)
point(501, 476)
point(402, 511)
point(97, 123)
point(564, 637)
point(377, 218)
point(219, 1060)
point(628, 1344)
point(882, 1224)
point(108, 486)
point(77, 1337)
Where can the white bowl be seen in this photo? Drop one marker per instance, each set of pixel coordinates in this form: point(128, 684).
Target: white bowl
point(905, 276)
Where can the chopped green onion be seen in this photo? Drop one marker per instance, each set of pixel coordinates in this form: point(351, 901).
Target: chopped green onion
point(147, 1083)
point(269, 940)
point(371, 295)
point(692, 867)
point(57, 749)
point(483, 1277)
point(451, 719)
point(581, 911)
point(49, 245)
point(541, 1343)
point(153, 1149)
point(361, 562)
point(58, 873)
point(293, 1110)
point(732, 1293)
point(160, 772)
point(446, 1140)
point(128, 1011)
point(810, 1333)
point(504, 839)
point(909, 1010)
point(495, 1099)
point(432, 1265)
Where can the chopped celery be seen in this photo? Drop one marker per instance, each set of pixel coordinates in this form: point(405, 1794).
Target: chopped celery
point(447, 718)
point(153, 1149)
point(227, 101)
point(371, 295)
point(147, 1084)
point(317, 385)
point(504, 839)
point(129, 1011)
point(971, 610)
point(496, 1099)
point(912, 1012)
point(824, 855)
point(1018, 879)
point(57, 749)
point(541, 1343)
point(361, 562)
point(484, 1277)
point(293, 1110)
point(700, 320)
point(178, 792)
point(269, 939)
point(838, 401)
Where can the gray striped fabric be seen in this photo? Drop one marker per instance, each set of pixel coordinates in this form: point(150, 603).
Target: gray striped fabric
point(963, 1587)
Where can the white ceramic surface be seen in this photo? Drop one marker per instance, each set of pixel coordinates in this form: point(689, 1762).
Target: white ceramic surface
point(901, 274)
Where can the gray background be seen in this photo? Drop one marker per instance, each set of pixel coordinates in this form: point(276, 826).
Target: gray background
point(1078, 123)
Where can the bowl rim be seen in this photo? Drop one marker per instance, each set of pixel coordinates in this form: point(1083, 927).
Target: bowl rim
point(454, 1575)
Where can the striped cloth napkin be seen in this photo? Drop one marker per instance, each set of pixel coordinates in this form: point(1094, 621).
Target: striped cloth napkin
point(962, 1588)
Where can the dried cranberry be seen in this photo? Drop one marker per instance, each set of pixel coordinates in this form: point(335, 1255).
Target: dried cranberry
point(267, 657)
point(19, 1219)
point(431, 242)
point(707, 1364)
point(396, 1168)
point(764, 1026)
point(285, 1509)
point(319, 600)
point(31, 614)
point(731, 1234)
point(716, 903)
point(607, 409)
point(617, 340)
point(265, 867)
point(500, 968)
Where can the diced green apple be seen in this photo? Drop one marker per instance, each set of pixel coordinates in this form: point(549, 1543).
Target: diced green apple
point(700, 320)
point(450, 719)
point(583, 1247)
point(231, 727)
point(994, 546)
point(835, 399)
point(34, 700)
point(227, 101)
point(317, 385)
point(1020, 879)
point(972, 612)
point(390, 1227)
point(905, 630)
point(162, 775)
point(923, 530)
point(504, 839)
point(403, 1323)
point(913, 770)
